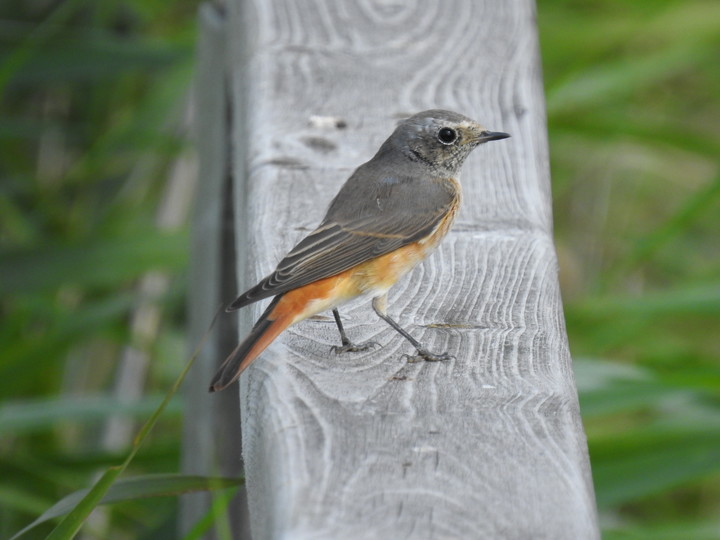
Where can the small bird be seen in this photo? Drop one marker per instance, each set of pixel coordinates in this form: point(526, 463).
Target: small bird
point(386, 218)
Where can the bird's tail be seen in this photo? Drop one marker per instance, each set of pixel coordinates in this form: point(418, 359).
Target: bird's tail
point(266, 329)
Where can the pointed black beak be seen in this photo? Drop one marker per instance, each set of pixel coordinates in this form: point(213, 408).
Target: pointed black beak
point(486, 136)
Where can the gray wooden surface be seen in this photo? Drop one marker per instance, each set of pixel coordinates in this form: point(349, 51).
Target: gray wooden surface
point(364, 445)
point(211, 428)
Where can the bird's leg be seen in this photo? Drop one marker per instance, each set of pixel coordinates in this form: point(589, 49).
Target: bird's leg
point(347, 345)
point(378, 305)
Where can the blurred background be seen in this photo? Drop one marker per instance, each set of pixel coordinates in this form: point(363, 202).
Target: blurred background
point(96, 175)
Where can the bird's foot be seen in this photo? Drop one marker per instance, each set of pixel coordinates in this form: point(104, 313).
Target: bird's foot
point(349, 346)
point(427, 356)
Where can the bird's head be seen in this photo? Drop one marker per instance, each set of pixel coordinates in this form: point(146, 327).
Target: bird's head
point(441, 140)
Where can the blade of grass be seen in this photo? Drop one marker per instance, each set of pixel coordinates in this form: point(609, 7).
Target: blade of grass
point(216, 513)
point(71, 523)
point(607, 387)
point(653, 460)
point(681, 301)
point(97, 262)
point(618, 79)
point(91, 58)
point(645, 127)
point(40, 414)
point(155, 485)
point(693, 208)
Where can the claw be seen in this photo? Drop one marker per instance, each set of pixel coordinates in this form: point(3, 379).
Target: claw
point(352, 347)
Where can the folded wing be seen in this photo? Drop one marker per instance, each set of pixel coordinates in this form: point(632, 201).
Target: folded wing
point(335, 247)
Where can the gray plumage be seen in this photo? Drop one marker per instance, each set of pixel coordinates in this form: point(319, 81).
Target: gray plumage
point(398, 197)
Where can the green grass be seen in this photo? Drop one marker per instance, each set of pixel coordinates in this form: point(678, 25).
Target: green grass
point(92, 101)
point(93, 95)
point(633, 104)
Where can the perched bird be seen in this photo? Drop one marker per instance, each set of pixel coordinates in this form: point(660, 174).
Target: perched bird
point(387, 217)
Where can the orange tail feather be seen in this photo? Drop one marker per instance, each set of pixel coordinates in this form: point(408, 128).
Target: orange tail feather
point(266, 329)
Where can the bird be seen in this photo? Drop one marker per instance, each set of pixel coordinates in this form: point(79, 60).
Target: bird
point(388, 216)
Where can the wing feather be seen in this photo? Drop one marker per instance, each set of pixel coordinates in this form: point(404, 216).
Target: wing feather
point(333, 248)
point(373, 214)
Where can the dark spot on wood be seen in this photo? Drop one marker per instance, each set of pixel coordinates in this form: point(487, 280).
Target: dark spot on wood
point(319, 144)
point(457, 326)
point(287, 163)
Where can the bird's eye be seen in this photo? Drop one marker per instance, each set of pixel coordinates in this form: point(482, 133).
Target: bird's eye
point(447, 135)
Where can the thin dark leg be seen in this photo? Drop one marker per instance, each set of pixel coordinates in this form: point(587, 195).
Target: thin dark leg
point(338, 321)
point(379, 307)
point(347, 345)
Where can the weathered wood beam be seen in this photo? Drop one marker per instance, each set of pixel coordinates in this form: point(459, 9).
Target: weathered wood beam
point(365, 445)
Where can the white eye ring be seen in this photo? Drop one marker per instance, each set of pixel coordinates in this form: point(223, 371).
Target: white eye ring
point(447, 135)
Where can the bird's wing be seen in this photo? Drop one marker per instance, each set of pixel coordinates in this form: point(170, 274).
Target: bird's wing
point(335, 247)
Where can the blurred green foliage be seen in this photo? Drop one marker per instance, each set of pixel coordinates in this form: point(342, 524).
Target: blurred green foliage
point(93, 101)
point(633, 98)
point(93, 98)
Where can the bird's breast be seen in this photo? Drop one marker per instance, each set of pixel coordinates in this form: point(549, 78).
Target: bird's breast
point(379, 274)
point(443, 227)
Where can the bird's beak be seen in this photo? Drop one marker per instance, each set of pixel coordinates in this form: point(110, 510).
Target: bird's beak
point(486, 136)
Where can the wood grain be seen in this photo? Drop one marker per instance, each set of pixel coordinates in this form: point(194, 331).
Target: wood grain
point(365, 445)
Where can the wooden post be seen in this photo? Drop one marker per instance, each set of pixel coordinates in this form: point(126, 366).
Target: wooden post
point(211, 431)
point(365, 445)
